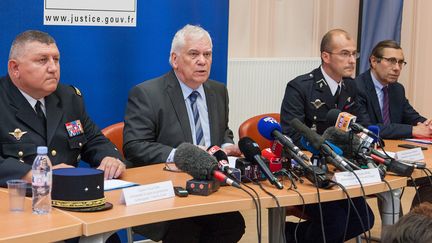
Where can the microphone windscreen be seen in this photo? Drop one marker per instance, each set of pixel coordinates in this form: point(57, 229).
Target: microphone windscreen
point(195, 161)
point(349, 144)
point(376, 130)
point(305, 143)
point(314, 139)
point(332, 116)
point(267, 125)
point(249, 148)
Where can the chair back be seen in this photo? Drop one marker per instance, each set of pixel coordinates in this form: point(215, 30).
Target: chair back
point(114, 133)
point(249, 128)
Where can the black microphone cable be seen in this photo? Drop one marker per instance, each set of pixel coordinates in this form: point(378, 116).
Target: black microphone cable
point(354, 208)
point(366, 208)
point(320, 208)
point(349, 200)
point(426, 171)
point(415, 188)
point(257, 203)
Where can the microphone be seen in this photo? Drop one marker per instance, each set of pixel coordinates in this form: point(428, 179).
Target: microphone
point(269, 128)
point(346, 121)
point(252, 152)
point(318, 143)
point(275, 163)
point(355, 146)
point(221, 158)
point(199, 164)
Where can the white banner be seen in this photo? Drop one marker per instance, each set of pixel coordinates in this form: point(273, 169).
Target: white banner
point(90, 12)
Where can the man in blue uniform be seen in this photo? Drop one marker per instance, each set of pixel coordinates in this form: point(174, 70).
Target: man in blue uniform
point(308, 98)
point(36, 110)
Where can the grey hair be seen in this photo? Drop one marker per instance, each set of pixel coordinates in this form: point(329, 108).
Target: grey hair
point(26, 37)
point(194, 32)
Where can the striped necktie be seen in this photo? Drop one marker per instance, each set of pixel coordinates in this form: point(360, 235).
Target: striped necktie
point(385, 108)
point(199, 134)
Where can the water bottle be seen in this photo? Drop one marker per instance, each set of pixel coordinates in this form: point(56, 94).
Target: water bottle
point(41, 182)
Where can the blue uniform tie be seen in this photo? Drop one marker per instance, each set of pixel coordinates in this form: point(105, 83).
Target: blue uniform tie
point(199, 134)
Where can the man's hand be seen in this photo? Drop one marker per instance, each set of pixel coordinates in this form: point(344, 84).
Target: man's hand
point(112, 167)
point(232, 150)
point(422, 130)
point(28, 176)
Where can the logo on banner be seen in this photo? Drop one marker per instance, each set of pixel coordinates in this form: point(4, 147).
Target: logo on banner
point(90, 12)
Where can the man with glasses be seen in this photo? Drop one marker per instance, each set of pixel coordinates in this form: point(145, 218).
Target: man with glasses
point(384, 98)
point(309, 98)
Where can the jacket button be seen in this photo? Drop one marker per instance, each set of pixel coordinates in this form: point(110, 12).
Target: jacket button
point(53, 152)
point(20, 153)
point(80, 144)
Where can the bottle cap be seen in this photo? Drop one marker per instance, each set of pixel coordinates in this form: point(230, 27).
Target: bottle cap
point(42, 149)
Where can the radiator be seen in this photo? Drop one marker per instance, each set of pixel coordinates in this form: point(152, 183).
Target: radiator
point(257, 85)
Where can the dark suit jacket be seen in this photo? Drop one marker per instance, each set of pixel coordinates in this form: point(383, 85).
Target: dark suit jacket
point(402, 114)
point(156, 119)
point(62, 106)
point(309, 99)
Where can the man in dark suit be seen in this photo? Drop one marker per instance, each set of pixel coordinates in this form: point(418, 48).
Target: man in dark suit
point(308, 98)
point(384, 98)
point(36, 110)
point(182, 106)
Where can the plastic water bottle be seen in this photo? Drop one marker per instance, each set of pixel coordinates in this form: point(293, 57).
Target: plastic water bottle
point(41, 182)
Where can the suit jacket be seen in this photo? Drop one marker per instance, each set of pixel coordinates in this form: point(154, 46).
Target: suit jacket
point(402, 114)
point(63, 106)
point(308, 98)
point(156, 119)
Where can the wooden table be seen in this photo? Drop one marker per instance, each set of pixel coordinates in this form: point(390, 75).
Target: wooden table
point(28, 227)
point(227, 199)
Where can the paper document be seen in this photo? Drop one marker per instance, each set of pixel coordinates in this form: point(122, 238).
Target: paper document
point(117, 184)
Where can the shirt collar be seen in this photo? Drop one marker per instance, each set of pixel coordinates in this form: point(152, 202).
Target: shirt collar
point(377, 83)
point(32, 101)
point(333, 85)
point(186, 90)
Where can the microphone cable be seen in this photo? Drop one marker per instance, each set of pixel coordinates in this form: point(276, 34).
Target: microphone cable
point(415, 187)
point(257, 203)
point(350, 202)
point(278, 207)
point(366, 209)
point(426, 171)
point(303, 205)
point(320, 208)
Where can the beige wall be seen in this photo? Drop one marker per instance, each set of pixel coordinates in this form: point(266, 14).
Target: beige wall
point(292, 28)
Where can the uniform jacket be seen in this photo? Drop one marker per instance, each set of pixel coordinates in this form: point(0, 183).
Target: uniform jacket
point(156, 119)
point(21, 131)
point(402, 114)
point(308, 98)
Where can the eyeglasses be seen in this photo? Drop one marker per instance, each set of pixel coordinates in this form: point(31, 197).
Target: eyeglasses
point(394, 61)
point(171, 167)
point(346, 54)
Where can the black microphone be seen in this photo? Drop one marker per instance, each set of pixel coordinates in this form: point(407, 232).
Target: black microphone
point(220, 156)
point(362, 149)
point(269, 128)
point(318, 143)
point(346, 121)
point(252, 152)
point(199, 164)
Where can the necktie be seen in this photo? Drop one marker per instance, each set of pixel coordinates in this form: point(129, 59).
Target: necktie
point(199, 134)
point(41, 116)
point(385, 108)
point(336, 95)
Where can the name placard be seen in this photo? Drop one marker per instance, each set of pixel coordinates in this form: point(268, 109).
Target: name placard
point(415, 154)
point(366, 176)
point(147, 193)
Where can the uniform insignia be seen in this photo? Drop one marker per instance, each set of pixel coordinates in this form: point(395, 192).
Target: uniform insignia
point(349, 99)
point(317, 103)
point(17, 133)
point(74, 128)
point(321, 82)
point(77, 91)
